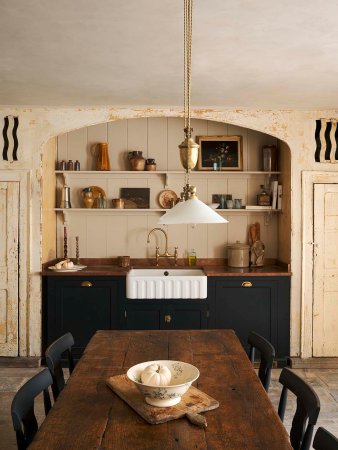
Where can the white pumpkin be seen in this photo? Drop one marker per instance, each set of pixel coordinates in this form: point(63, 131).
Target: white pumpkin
point(69, 265)
point(58, 266)
point(156, 375)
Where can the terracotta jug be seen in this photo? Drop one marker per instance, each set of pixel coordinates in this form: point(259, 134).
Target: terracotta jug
point(137, 162)
point(88, 198)
point(102, 162)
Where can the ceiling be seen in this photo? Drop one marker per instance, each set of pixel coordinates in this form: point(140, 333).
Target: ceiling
point(246, 54)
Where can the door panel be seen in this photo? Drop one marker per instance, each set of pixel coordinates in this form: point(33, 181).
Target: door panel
point(9, 232)
point(325, 276)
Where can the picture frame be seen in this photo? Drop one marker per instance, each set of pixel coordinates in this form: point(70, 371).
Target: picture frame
point(226, 151)
point(135, 198)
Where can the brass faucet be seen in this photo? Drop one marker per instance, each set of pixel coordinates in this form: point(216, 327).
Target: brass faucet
point(166, 254)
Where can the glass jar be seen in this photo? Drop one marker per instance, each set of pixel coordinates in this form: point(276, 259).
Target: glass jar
point(263, 198)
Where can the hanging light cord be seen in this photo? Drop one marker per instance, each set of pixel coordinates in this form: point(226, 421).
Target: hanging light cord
point(187, 64)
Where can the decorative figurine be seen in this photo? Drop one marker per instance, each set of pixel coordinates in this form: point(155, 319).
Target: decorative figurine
point(257, 248)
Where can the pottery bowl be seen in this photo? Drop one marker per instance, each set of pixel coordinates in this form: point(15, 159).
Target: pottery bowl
point(182, 375)
point(214, 205)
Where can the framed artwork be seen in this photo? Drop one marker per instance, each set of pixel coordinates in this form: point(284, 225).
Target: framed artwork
point(225, 151)
point(135, 198)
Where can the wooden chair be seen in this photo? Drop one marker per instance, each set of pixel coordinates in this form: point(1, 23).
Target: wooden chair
point(324, 440)
point(23, 417)
point(267, 352)
point(54, 359)
point(307, 411)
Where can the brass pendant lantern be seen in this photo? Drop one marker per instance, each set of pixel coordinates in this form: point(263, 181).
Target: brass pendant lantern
point(190, 210)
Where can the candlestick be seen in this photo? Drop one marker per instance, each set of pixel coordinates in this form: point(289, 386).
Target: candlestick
point(65, 243)
point(77, 250)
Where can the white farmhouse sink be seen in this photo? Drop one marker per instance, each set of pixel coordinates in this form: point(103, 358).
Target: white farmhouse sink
point(166, 283)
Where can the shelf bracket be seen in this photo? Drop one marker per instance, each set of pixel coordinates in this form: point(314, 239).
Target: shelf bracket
point(65, 214)
point(267, 218)
point(166, 181)
point(66, 178)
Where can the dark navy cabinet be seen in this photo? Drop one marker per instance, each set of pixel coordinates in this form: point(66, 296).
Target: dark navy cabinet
point(81, 305)
point(260, 304)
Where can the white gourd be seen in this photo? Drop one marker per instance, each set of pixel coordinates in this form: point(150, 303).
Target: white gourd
point(69, 265)
point(58, 266)
point(156, 375)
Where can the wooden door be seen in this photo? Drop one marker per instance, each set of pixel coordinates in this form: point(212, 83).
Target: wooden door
point(9, 270)
point(325, 274)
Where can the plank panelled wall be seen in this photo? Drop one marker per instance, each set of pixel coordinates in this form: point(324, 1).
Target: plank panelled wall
point(110, 235)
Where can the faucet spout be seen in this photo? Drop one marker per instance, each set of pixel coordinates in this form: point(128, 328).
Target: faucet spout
point(165, 253)
point(165, 235)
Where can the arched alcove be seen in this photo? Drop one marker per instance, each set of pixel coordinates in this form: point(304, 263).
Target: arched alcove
point(106, 235)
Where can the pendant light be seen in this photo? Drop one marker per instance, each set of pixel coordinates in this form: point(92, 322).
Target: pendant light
point(189, 210)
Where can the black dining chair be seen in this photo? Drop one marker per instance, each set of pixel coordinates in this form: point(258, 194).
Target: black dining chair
point(54, 361)
point(307, 410)
point(23, 416)
point(324, 440)
point(267, 354)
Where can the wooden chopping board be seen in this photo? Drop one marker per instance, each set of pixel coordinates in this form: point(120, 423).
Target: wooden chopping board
point(193, 402)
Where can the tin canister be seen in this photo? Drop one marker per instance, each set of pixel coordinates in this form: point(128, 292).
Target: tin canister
point(65, 197)
point(238, 255)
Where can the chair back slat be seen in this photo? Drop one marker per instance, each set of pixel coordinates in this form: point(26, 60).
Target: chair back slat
point(22, 410)
point(267, 354)
point(54, 361)
point(307, 410)
point(324, 440)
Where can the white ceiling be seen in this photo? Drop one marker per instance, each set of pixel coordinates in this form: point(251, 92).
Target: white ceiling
point(246, 53)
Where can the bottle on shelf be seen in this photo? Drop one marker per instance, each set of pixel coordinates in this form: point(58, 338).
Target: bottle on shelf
point(70, 165)
point(192, 258)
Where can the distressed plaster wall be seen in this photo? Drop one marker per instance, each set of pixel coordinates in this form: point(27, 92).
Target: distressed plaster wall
point(37, 126)
point(284, 224)
point(48, 201)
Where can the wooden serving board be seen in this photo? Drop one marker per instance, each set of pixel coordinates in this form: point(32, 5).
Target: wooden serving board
point(193, 402)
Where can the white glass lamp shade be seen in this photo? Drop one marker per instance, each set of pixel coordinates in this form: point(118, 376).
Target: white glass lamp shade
point(191, 211)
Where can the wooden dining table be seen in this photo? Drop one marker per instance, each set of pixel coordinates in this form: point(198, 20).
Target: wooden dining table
point(89, 415)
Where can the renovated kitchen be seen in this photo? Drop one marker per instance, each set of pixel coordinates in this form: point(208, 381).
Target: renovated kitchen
point(242, 295)
point(168, 198)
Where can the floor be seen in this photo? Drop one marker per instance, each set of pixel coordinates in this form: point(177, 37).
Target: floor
point(324, 381)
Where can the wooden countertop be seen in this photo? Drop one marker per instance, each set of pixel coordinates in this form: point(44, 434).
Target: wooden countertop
point(212, 268)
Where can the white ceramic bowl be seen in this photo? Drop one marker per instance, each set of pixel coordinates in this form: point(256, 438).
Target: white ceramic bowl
point(213, 205)
point(182, 375)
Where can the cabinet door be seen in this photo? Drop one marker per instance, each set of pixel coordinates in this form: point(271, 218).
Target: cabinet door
point(143, 316)
point(82, 306)
point(185, 316)
point(245, 309)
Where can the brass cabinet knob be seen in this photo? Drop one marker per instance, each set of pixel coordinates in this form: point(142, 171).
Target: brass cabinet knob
point(86, 284)
point(246, 284)
point(167, 318)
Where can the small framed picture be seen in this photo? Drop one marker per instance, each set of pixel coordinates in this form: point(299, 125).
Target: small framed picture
point(220, 153)
point(135, 198)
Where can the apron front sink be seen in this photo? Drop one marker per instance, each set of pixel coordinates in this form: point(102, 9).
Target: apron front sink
point(166, 283)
